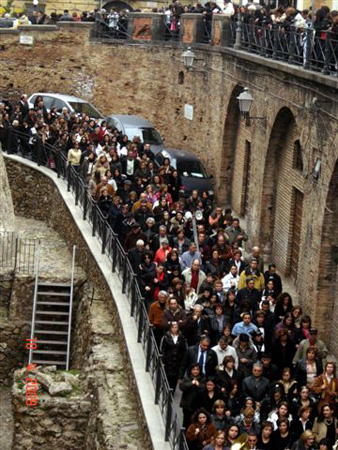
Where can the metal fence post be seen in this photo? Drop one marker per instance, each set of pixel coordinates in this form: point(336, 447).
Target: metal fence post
point(307, 48)
point(77, 182)
point(133, 296)
point(327, 54)
point(292, 44)
point(168, 416)
point(16, 252)
point(149, 345)
point(158, 379)
point(182, 434)
point(104, 238)
point(140, 323)
point(68, 178)
point(9, 141)
point(124, 276)
point(94, 220)
point(274, 40)
point(85, 206)
point(114, 254)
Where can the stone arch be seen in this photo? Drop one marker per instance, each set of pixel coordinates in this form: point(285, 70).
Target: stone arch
point(119, 6)
point(230, 134)
point(327, 299)
point(282, 195)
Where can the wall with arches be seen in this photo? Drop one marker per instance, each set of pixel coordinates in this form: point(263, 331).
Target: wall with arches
point(264, 170)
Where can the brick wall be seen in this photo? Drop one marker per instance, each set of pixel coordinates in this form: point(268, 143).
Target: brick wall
point(143, 80)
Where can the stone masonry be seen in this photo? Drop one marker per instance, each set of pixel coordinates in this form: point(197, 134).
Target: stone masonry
point(254, 166)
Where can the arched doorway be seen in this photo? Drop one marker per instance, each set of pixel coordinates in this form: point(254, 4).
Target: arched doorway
point(326, 311)
point(119, 6)
point(230, 135)
point(282, 195)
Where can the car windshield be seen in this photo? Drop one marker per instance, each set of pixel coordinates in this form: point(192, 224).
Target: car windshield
point(192, 169)
point(87, 109)
point(148, 135)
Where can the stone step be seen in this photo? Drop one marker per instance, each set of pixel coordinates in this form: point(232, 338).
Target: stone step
point(57, 313)
point(60, 333)
point(49, 322)
point(54, 303)
point(49, 352)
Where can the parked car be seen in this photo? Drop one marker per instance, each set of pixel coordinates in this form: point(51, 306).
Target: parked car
point(190, 169)
point(137, 126)
point(70, 102)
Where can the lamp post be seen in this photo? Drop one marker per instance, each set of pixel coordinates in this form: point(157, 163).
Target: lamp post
point(188, 58)
point(245, 100)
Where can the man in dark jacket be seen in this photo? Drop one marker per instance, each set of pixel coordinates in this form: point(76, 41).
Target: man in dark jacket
point(198, 354)
point(271, 275)
point(256, 386)
point(133, 236)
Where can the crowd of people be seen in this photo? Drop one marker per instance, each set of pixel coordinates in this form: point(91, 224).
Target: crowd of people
point(247, 360)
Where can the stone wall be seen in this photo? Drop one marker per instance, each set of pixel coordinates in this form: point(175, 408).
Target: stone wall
point(145, 80)
point(60, 417)
point(13, 353)
point(99, 346)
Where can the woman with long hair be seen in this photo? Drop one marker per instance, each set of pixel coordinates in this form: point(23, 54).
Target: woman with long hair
point(218, 442)
point(287, 323)
point(283, 305)
point(326, 385)
point(307, 441)
point(231, 434)
point(289, 385)
point(281, 437)
point(226, 372)
point(303, 332)
point(201, 431)
point(218, 416)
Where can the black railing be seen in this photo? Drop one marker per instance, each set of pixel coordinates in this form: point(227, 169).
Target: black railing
point(17, 254)
point(110, 28)
point(13, 141)
point(313, 51)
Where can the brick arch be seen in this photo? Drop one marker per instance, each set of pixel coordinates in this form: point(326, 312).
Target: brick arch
point(230, 134)
point(326, 309)
point(281, 194)
point(118, 5)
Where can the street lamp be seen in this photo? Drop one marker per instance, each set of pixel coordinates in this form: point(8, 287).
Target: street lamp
point(245, 100)
point(188, 58)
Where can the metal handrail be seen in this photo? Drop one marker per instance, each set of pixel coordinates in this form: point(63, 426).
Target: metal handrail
point(174, 433)
point(70, 307)
point(36, 283)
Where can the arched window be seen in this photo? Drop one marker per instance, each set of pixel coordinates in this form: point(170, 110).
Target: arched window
point(297, 156)
point(181, 77)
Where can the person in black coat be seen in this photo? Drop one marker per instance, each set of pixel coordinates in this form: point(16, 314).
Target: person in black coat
point(283, 351)
point(301, 423)
point(197, 325)
point(210, 394)
point(147, 274)
point(129, 165)
point(191, 386)
point(172, 265)
point(173, 347)
point(302, 365)
point(194, 356)
point(271, 274)
point(136, 257)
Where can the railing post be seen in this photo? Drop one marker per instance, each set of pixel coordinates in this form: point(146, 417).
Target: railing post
point(68, 177)
point(94, 220)
point(168, 416)
point(274, 40)
point(238, 42)
point(104, 238)
point(114, 254)
point(85, 206)
point(292, 44)
point(182, 434)
point(39, 150)
point(140, 322)
point(133, 296)
point(251, 30)
point(307, 48)
point(327, 54)
point(148, 352)
point(263, 39)
point(124, 276)
point(9, 140)
point(76, 190)
point(158, 379)
point(16, 252)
